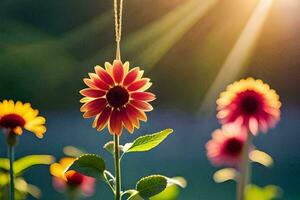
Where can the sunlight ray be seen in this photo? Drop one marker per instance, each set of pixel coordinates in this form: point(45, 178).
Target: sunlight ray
point(239, 54)
point(151, 55)
point(169, 29)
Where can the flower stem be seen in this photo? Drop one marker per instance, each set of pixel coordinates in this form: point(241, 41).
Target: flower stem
point(11, 171)
point(72, 194)
point(117, 169)
point(244, 170)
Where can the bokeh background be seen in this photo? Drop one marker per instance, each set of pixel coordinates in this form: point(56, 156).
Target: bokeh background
point(190, 48)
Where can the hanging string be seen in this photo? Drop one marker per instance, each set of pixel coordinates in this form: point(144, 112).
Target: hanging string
point(118, 11)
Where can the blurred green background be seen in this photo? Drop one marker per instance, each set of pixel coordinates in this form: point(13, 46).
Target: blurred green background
point(191, 49)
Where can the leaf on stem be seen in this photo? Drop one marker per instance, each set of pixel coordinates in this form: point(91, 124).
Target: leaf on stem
point(147, 142)
point(269, 192)
point(27, 162)
point(151, 185)
point(22, 164)
point(110, 147)
point(90, 165)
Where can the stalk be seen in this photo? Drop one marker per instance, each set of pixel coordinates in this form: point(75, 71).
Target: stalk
point(244, 170)
point(11, 172)
point(117, 169)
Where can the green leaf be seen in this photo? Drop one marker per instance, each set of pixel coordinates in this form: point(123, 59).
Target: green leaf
point(134, 195)
point(90, 165)
point(110, 147)
point(147, 142)
point(26, 162)
point(4, 179)
point(151, 185)
point(267, 193)
point(170, 193)
point(4, 164)
point(29, 161)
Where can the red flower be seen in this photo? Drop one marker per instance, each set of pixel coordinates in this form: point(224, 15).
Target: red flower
point(116, 97)
point(251, 104)
point(226, 146)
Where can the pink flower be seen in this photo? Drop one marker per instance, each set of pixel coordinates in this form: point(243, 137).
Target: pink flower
point(226, 146)
point(251, 104)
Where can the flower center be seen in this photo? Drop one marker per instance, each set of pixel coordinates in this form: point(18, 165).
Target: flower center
point(250, 103)
point(117, 96)
point(74, 178)
point(233, 147)
point(12, 121)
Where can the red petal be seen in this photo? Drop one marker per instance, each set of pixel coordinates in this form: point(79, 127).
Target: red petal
point(138, 84)
point(133, 115)
point(141, 105)
point(101, 84)
point(115, 123)
point(92, 93)
point(131, 76)
point(104, 76)
point(97, 104)
point(126, 121)
point(118, 71)
point(89, 83)
point(143, 96)
point(103, 119)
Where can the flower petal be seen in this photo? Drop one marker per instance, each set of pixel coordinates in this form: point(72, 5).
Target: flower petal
point(141, 105)
point(136, 112)
point(126, 121)
point(97, 82)
point(131, 76)
point(108, 67)
point(93, 108)
point(118, 71)
point(92, 93)
point(143, 96)
point(104, 75)
point(90, 83)
point(133, 115)
point(103, 119)
point(137, 85)
point(115, 123)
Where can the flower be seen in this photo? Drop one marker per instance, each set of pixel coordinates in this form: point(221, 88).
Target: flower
point(226, 145)
point(14, 117)
point(250, 103)
point(70, 179)
point(116, 97)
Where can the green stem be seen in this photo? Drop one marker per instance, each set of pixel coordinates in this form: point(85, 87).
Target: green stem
point(117, 169)
point(11, 171)
point(72, 193)
point(244, 170)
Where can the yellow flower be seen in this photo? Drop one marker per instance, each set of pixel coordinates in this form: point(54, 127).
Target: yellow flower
point(58, 169)
point(17, 116)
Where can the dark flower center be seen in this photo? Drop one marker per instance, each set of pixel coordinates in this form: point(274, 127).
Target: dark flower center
point(12, 121)
point(233, 147)
point(74, 178)
point(250, 103)
point(117, 96)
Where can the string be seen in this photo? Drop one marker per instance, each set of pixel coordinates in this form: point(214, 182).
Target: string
point(118, 11)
